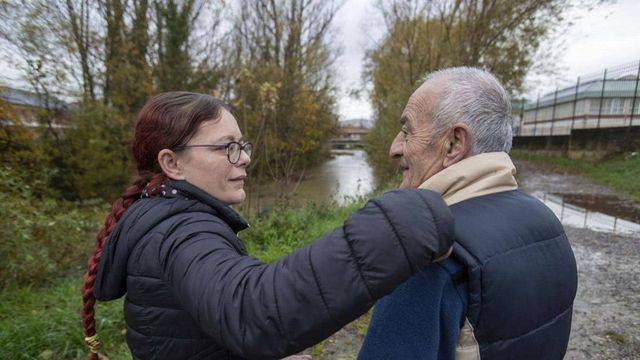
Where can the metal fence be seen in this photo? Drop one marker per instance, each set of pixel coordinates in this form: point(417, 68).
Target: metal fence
point(602, 100)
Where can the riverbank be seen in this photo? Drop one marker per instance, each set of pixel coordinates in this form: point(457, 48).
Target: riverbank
point(606, 317)
point(43, 322)
point(620, 172)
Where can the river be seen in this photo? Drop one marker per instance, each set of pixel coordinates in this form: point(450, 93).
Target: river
point(347, 175)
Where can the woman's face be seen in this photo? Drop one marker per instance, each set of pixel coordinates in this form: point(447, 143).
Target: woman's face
point(209, 168)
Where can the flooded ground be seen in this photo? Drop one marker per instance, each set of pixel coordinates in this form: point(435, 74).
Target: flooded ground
point(604, 213)
point(604, 233)
point(580, 203)
point(603, 229)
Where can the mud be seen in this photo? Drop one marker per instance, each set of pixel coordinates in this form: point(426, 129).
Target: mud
point(606, 318)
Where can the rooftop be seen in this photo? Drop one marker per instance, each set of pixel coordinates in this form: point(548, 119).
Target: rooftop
point(31, 99)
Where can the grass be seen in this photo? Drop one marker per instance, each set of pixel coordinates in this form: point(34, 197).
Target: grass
point(617, 337)
point(44, 322)
point(40, 320)
point(286, 229)
point(620, 172)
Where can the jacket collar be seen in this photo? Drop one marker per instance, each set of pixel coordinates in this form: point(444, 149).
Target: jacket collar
point(184, 189)
point(478, 175)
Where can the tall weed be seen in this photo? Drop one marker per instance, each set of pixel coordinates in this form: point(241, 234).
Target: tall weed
point(42, 238)
point(284, 230)
point(44, 323)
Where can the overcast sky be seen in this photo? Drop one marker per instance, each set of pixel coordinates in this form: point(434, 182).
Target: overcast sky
point(606, 36)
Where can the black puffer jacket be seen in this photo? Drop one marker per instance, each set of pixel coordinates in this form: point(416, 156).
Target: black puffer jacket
point(193, 293)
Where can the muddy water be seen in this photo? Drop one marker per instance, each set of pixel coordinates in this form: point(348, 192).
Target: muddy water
point(345, 176)
point(579, 203)
point(604, 213)
point(576, 203)
point(606, 319)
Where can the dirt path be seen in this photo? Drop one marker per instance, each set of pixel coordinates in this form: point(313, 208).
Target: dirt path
point(606, 319)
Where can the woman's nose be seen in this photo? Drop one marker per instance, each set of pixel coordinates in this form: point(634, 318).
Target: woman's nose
point(245, 159)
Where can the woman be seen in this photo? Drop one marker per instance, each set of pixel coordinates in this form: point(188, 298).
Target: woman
point(192, 292)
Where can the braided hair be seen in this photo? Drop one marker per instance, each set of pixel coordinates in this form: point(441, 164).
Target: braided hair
point(166, 121)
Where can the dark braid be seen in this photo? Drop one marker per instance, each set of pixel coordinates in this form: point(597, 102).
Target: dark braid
point(166, 121)
point(133, 192)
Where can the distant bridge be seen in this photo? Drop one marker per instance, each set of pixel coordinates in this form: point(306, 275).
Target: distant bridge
point(349, 137)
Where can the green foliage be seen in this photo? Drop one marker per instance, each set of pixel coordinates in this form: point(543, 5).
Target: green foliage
point(289, 127)
point(500, 36)
point(35, 320)
point(284, 230)
point(45, 323)
point(127, 72)
point(41, 238)
point(283, 94)
point(616, 336)
point(23, 155)
point(93, 158)
point(174, 29)
point(275, 70)
point(620, 172)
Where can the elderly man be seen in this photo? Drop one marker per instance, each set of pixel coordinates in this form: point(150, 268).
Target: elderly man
point(507, 291)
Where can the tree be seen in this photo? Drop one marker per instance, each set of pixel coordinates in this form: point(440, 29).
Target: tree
point(283, 92)
point(23, 157)
point(174, 24)
point(127, 75)
point(501, 36)
point(109, 55)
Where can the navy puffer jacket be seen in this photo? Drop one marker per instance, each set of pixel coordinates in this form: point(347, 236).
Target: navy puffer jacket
point(193, 293)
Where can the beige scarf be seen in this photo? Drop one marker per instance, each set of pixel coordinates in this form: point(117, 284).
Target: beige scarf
point(475, 176)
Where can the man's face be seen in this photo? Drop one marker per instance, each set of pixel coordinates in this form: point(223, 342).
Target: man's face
point(419, 157)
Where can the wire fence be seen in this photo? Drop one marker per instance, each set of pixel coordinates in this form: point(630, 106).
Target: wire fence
point(608, 99)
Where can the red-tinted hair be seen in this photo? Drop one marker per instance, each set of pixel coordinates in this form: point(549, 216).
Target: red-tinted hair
point(166, 121)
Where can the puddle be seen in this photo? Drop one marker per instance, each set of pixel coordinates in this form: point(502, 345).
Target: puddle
point(604, 213)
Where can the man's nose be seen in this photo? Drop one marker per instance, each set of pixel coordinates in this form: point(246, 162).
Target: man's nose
point(395, 151)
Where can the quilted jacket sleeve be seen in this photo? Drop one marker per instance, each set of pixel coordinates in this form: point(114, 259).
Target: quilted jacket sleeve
point(264, 311)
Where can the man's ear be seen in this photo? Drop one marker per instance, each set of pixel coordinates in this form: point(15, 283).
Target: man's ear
point(168, 161)
point(458, 144)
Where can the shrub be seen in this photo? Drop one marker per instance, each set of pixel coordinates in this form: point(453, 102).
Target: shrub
point(284, 230)
point(42, 238)
point(93, 159)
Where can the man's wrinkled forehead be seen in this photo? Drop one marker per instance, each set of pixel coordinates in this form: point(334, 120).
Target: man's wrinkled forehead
point(420, 104)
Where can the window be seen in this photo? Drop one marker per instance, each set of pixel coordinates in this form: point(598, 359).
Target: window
point(529, 116)
point(617, 106)
point(545, 113)
point(636, 106)
point(580, 106)
point(594, 106)
point(564, 110)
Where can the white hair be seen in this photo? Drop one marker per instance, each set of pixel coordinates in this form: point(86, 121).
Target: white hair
point(476, 98)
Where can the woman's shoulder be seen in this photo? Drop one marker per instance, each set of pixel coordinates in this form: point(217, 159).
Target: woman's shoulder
point(193, 226)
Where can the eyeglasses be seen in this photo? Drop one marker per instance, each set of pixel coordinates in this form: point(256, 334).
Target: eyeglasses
point(234, 149)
